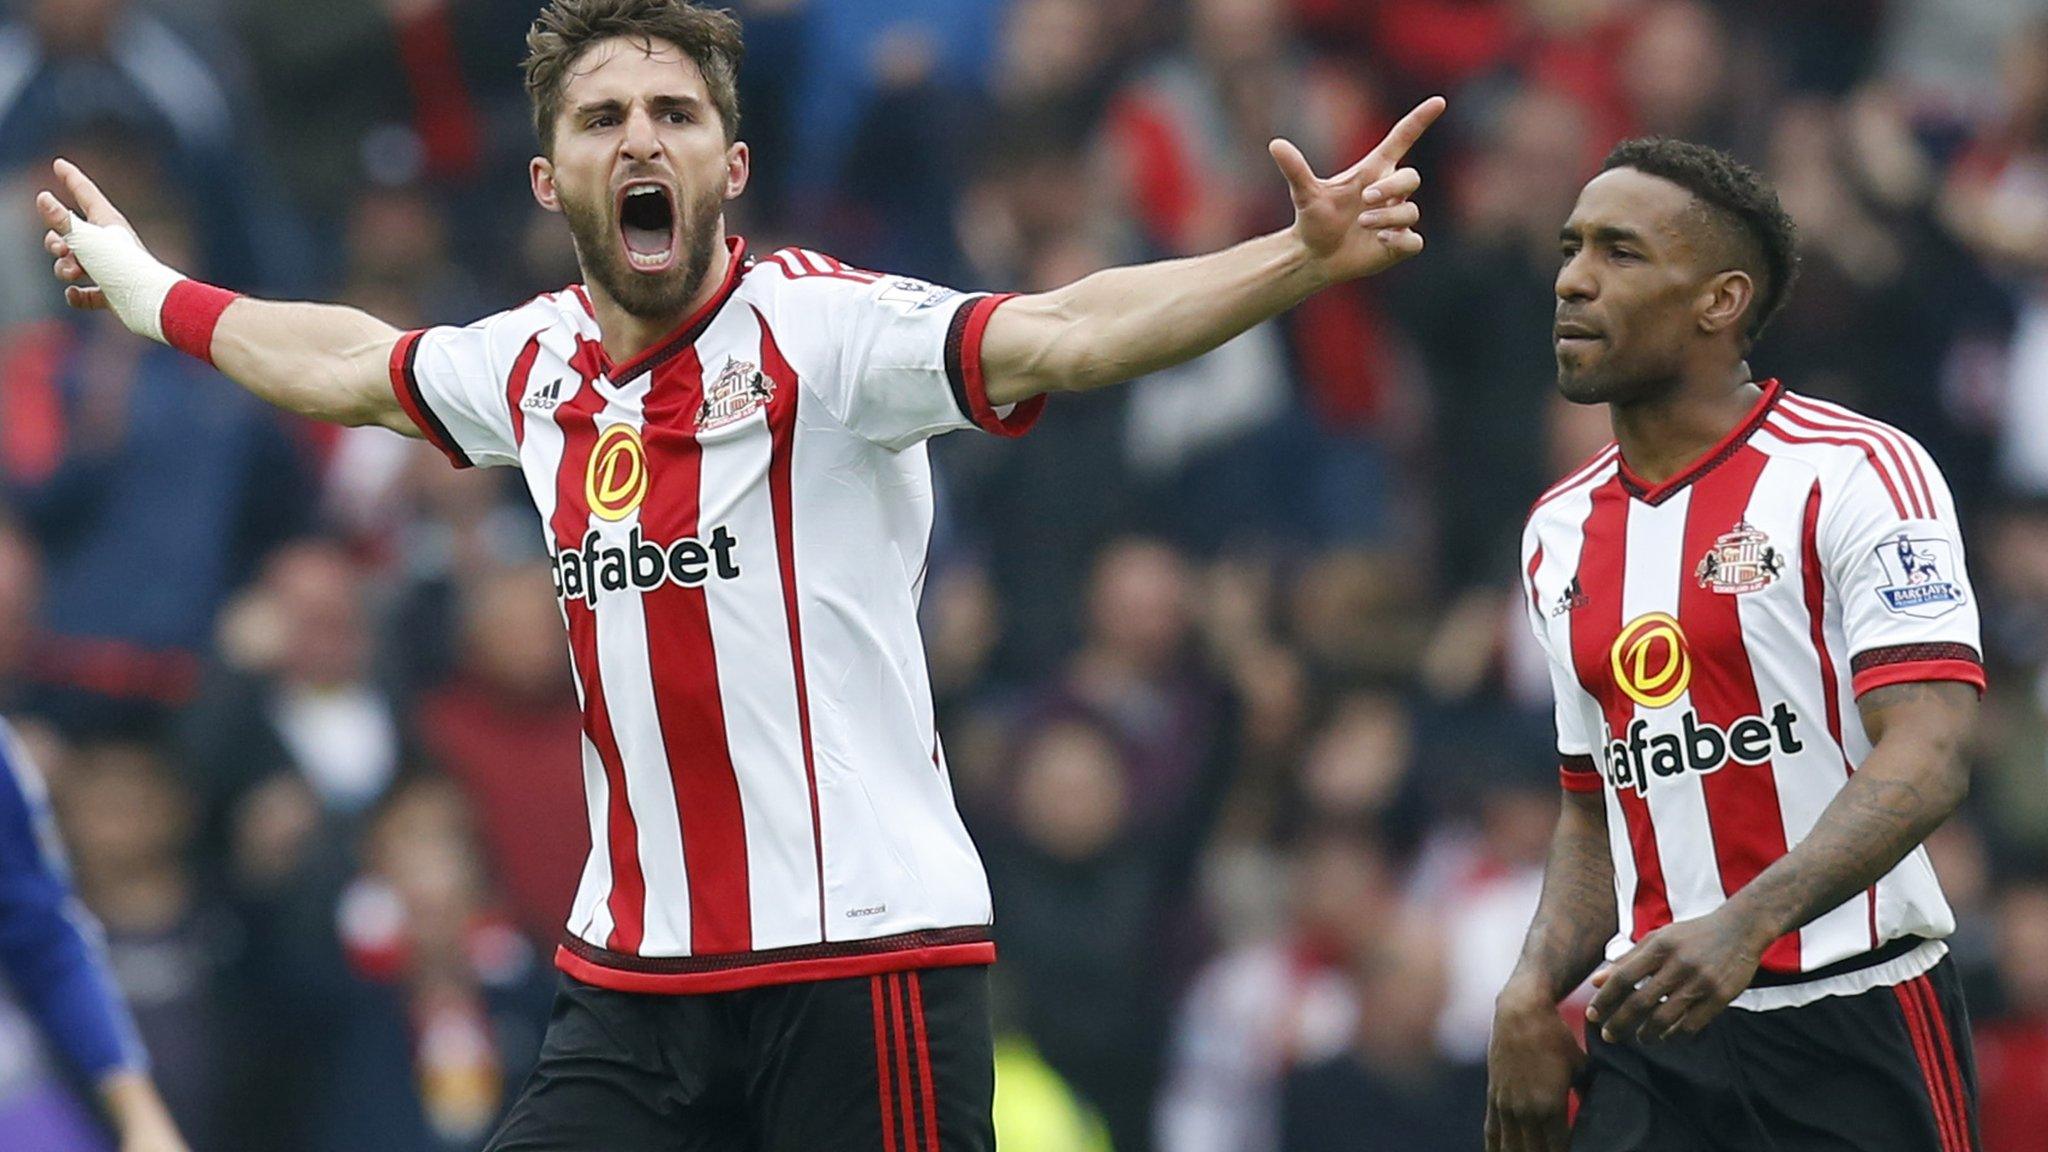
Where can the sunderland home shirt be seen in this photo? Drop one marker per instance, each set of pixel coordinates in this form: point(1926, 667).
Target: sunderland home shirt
point(738, 520)
point(1707, 640)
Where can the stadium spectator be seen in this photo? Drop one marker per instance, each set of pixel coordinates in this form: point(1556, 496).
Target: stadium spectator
point(504, 728)
point(129, 822)
point(435, 1017)
point(151, 490)
point(1186, 140)
point(76, 66)
point(293, 742)
point(1392, 1088)
point(1140, 670)
point(1085, 891)
point(2012, 1048)
point(1278, 1003)
point(1997, 204)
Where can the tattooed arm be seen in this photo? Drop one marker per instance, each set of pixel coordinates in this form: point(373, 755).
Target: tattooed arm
point(1575, 917)
point(1532, 1056)
point(1680, 977)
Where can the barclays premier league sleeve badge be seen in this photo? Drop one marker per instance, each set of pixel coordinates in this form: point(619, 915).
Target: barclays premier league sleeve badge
point(1917, 573)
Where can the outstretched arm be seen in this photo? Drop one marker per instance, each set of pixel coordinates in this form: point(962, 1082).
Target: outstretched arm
point(1126, 322)
point(1680, 977)
point(319, 360)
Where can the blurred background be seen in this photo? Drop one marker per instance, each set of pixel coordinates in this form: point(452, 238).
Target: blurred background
point(1230, 665)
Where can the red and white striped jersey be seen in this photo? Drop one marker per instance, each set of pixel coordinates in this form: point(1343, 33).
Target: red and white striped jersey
point(1707, 640)
point(738, 519)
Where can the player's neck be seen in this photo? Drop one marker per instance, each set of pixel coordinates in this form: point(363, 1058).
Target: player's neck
point(627, 335)
point(1661, 437)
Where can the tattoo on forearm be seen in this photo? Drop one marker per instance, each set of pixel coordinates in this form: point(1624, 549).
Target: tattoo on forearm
point(1576, 914)
point(1909, 784)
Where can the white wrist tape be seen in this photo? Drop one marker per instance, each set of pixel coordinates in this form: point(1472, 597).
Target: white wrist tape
point(134, 281)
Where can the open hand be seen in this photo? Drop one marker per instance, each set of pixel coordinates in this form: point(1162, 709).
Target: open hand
point(1675, 981)
point(1362, 220)
point(97, 209)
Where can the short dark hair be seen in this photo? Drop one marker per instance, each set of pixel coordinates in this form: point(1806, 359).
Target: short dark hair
point(1740, 200)
point(566, 29)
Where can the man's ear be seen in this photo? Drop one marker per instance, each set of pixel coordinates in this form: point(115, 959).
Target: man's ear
point(542, 172)
point(1724, 301)
point(739, 166)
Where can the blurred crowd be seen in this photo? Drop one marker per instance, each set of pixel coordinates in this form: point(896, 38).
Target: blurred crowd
point(1230, 666)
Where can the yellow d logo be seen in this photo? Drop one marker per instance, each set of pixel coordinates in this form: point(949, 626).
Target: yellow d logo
point(1651, 661)
point(616, 481)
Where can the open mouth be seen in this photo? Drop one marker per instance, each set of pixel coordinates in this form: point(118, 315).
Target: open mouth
point(647, 226)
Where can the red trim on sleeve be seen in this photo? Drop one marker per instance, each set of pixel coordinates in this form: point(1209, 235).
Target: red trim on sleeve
point(406, 387)
point(190, 313)
point(1577, 774)
point(1919, 671)
point(1025, 413)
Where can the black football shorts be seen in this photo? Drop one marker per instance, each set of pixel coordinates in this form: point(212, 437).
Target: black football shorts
point(1888, 1070)
point(902, 1062)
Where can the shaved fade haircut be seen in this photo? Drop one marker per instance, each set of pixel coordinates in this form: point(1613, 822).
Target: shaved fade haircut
point(1736, 206)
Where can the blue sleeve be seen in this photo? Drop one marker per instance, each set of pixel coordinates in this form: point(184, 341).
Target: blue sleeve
point(49, 944)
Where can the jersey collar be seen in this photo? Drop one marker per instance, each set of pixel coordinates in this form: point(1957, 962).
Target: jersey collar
point(686, 333)
point(1655, 494)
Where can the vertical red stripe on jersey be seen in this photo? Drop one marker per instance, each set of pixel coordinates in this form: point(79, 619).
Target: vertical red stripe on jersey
point(515, 388)
point(684, 666)
point(1814, 580)
point(1535, 562)
point(782, 408)
point(1602, 561)
point(1742, 801)
point(627, 900)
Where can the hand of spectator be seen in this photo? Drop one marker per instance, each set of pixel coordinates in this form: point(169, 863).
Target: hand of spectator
point(1360, 221)
point(1530, 1063)
point(1676, 980)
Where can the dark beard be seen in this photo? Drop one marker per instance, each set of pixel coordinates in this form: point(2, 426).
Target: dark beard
point(644, 297)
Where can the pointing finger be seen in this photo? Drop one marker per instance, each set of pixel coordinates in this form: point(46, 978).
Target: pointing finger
point(1409, 129)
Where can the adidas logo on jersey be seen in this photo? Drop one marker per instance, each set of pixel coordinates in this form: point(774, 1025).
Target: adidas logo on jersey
point(587, 573)
point(544, 399)
point(1699, 746)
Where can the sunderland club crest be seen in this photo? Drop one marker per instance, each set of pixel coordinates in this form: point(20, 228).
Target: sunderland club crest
point(739, 391)
point(1742, 560)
